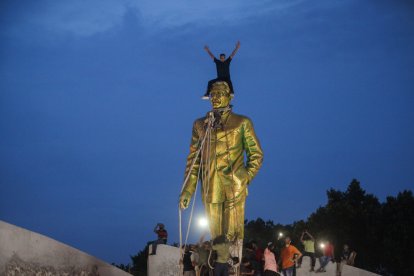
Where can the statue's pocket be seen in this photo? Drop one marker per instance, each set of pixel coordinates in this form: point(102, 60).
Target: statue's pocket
point(242, 177)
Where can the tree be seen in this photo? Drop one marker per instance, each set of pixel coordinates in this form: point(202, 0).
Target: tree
point(397, 236)
point(139, 263)
point(351, 217)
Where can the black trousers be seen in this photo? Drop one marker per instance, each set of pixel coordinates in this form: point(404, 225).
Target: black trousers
point(221, 269)
point(204, 270)
point(309, 254)
point(269, 273)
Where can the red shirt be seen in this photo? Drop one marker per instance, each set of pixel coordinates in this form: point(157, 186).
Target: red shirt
point(162, 234)
point(259, 254)
point(328, 251)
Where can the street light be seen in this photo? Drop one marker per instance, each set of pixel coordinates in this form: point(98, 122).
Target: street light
point(280, 236)
point(202, 222)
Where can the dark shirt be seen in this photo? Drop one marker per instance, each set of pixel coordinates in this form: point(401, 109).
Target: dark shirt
point(188, 264)
point(259, 254)
point(223, 68)
point(345, 255)
point(203, 256)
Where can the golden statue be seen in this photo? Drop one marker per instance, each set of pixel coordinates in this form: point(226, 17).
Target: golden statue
point(218, 147)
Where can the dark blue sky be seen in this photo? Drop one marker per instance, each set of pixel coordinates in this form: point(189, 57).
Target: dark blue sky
point(98, 99)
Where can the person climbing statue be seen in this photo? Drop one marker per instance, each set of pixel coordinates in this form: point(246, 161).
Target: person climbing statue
point(223, 69)
point(162, 235)
point(225, 175)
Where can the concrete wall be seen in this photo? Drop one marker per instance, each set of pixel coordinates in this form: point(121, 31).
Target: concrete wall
point(165, 262)
point(23, 252)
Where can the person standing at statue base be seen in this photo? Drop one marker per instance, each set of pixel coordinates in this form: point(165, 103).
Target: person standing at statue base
point(289, 255)
point(222, 248)
point(308, 242)
point(270, 264)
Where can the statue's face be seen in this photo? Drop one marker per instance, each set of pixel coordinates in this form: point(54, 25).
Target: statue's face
point(219, 97)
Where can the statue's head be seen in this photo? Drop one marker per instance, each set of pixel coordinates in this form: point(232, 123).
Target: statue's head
point(220, 95)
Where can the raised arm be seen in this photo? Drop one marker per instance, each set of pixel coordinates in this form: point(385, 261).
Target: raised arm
point(301, 237)
point(209, 52)
point(156, 228)
point(235, 49)
point(313, 239)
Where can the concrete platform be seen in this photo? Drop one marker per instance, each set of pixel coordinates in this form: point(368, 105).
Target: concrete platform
point(166, 263)
point(330, 269)
point(23, 252)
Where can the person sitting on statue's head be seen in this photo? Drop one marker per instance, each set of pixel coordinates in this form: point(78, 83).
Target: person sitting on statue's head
point(222, 68)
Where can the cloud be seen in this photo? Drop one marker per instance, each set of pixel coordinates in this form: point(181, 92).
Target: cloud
point(170, 14)
point(82, 18)
point(85, 18)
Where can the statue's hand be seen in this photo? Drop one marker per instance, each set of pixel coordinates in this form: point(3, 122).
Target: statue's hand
point(185, 200)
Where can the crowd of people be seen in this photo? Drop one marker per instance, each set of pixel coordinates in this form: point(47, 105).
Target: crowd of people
point(207, 258)
point(279, 257)
point(284, 258)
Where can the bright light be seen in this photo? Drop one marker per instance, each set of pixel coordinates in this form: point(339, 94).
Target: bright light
point(280, 234)
point(202, 222)
point(322, 245)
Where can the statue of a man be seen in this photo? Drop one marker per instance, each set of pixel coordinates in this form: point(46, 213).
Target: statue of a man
point(219, 144)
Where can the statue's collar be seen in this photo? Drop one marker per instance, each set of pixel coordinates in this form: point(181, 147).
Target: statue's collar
point(218, 116)
point(222, 111)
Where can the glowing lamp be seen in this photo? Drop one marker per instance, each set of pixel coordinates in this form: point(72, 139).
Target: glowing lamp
point(202, 222)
